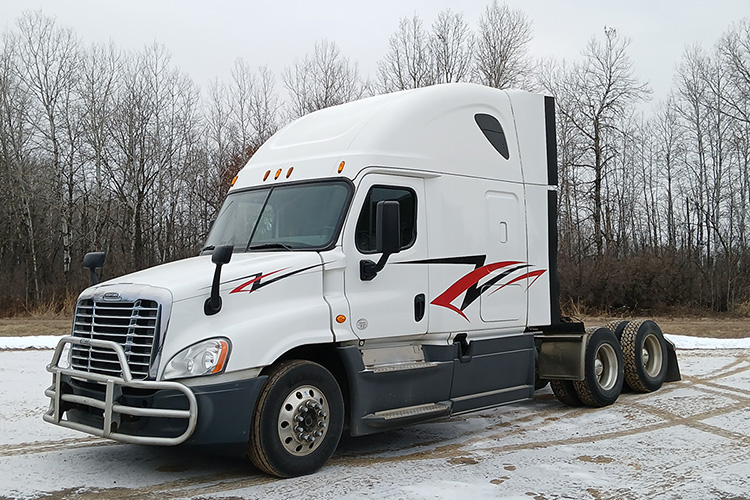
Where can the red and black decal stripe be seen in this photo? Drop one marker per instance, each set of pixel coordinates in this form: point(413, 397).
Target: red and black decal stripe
point(469, 283)
point(257, 281)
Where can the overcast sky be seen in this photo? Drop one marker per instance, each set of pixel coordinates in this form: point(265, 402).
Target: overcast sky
point(205, 37)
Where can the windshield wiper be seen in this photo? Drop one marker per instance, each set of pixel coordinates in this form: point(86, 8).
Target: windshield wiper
point(271, 246)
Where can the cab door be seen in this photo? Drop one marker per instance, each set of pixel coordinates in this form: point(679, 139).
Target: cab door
point(394, 302)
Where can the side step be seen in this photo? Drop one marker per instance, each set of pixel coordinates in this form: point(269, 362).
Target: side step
point(402, 416)
point(402, 366)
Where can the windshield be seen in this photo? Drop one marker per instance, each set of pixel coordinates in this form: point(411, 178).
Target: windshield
point(286, 217)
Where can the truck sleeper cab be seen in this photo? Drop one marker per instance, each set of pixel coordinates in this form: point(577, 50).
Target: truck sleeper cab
point(375, 264)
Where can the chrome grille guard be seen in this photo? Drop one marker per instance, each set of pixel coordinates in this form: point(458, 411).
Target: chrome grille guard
point(111, 408)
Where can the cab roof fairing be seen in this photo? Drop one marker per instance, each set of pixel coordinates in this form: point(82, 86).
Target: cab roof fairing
point(431, 128)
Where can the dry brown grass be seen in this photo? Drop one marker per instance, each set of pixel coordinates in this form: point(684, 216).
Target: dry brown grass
point(27, 326)
point(727, 327)
point(715, 326)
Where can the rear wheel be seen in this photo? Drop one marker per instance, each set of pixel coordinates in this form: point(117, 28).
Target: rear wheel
point(565, 392)
point(603, 370)
point(298, 420)
point(645, 354)
point(617, 326)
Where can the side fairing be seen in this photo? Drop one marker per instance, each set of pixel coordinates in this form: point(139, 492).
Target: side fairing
point(479, 270)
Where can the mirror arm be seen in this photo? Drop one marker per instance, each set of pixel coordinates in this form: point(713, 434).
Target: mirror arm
point(220, 256)
point(368, 269)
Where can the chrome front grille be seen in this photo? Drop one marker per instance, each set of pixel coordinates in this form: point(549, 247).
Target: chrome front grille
point(134, 325)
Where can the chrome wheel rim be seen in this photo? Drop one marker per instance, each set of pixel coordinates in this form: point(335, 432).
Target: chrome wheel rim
point(303, 420)
point(605, 367)
point(651, 355)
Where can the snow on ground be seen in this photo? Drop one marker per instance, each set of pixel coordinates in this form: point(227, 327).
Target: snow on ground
point(689, 440)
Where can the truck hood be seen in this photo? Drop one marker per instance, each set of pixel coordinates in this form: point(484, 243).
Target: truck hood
point(246, 272)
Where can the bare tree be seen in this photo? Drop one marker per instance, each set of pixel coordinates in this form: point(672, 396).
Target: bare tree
point(49, 57)
point(17, 213)
point(595, 95)
point(408, 63)
point(101, 70)
point(265, 107)
point(501, 52)
point(451, 47)
point(669, 133)
point(734, 49)
point(253, 105)
point(322, 79)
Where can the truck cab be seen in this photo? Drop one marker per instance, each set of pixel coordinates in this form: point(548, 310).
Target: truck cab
point(375, 264)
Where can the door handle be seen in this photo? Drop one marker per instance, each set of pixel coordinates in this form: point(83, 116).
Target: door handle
point(419, 307)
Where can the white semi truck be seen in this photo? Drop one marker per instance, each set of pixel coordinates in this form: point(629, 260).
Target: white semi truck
point(375, 264)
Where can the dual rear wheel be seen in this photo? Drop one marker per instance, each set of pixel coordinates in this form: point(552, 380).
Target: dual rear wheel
point(622, 353)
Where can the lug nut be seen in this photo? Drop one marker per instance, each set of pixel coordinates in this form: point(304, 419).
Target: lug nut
point(299, 429)
point(321, 424)
point(322, 414)
point(319, 433)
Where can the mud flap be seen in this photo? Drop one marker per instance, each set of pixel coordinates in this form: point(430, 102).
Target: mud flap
point(673, 368)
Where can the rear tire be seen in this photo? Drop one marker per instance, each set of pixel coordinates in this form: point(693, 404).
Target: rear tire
point(297, 421)
point(603, 369)
point(645, 355)
point(565, 392)
point(617, 326)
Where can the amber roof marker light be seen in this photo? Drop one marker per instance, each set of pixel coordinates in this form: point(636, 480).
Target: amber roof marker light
point(341, 166)
point(289, 172)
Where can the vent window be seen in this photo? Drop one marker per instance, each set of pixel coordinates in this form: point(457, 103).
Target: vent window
point(493, 131)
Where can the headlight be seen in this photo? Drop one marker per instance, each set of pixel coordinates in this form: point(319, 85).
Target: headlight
point(204, 358)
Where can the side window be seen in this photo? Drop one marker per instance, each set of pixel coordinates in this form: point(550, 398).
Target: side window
point(407, 200)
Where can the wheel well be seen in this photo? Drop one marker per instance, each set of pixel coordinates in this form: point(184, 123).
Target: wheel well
point(327, 356)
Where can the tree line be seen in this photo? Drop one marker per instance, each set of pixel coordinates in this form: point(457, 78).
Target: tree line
point(105, 149)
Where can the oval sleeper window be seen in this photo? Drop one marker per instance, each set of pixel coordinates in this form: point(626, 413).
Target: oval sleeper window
point(493, 131)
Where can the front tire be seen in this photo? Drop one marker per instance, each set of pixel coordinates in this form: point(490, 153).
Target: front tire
point(297, 421)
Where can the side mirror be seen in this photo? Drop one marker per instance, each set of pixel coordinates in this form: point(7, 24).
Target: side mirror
point(220, 256)
point(387, 238)
point(93, 261)
point(388, 227)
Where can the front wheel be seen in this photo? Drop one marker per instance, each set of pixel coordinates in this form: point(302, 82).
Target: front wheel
point(298, 420)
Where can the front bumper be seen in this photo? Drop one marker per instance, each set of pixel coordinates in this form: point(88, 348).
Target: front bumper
point(148, 412)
